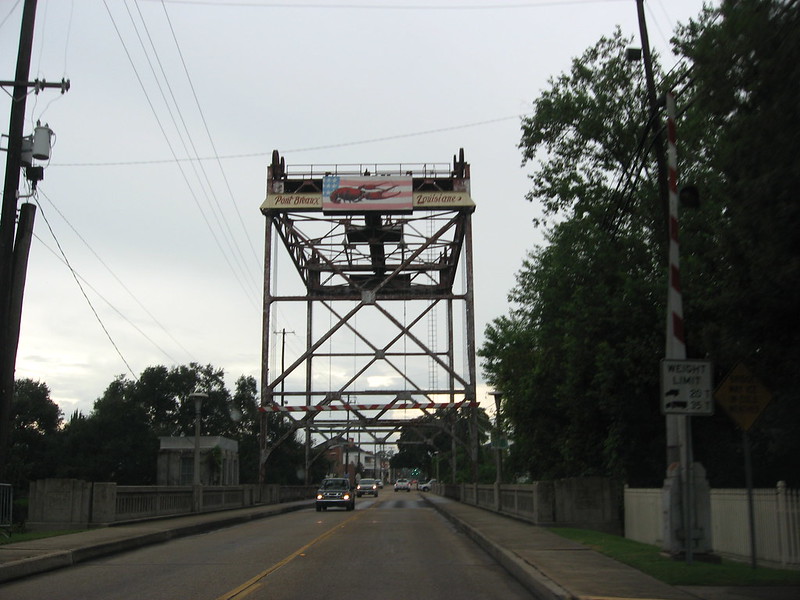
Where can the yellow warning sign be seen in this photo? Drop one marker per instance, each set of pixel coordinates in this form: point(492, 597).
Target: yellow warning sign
point(742, 396)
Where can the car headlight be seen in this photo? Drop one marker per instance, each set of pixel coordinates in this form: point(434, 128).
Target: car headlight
point(319, 496)
point(346, 497)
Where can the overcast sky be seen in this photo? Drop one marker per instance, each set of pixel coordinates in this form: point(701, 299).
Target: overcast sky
point(169, 251)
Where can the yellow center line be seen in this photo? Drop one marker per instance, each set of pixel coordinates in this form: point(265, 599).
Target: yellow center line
point(253, 584)
point(614, 598)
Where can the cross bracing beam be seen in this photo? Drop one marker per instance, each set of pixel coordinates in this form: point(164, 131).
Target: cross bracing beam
point(400, 405)
point(353, 253)
point(376, 263)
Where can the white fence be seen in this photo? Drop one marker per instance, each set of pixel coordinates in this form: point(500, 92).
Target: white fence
point(6, 505)
point(776, 515)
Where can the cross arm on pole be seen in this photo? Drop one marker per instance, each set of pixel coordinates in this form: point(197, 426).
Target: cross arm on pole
point(38, 84)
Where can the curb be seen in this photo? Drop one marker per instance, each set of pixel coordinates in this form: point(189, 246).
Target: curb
point(533, 580)
point(66, 558)
point(38, 564)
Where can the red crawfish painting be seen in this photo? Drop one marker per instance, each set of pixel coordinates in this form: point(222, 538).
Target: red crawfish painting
point(343, 193)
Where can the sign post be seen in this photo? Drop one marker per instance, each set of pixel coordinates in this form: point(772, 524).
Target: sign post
point(686, 389)
point(744, 398)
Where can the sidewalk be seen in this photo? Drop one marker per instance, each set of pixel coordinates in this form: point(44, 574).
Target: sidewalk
point(552, 567)
point(37, 556)
point(549, 566)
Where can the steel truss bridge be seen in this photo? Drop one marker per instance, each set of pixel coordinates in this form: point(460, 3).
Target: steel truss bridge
point(384, 259)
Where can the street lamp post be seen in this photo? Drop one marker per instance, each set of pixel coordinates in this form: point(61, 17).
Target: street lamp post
point(197, 491)
point(498, 458)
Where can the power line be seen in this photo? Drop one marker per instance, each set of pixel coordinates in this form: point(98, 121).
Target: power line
point(391, 7)
point(10, 12)
point(108, 302)
point(210, 138)
point(124, 287)
point(83, 291)
point(176, 161)
point(301, 149)
point(208, 189)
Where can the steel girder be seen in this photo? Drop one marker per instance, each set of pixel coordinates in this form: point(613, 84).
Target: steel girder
point(396, 271)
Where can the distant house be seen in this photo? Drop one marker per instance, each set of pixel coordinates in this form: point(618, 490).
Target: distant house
point(347, 459)
point(219, 461)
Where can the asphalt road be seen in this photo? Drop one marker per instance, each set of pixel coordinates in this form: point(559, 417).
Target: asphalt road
point(394, 546)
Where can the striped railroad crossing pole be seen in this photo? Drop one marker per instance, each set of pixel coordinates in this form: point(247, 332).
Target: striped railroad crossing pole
point(678, 426)
point(675, 339)
point(676, 342)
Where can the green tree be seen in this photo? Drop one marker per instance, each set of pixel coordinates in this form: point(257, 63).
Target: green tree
point(156, 390)
point(215, 410)
point(585, 318)
point(118, 440)
point(743, 244)
point(114, 443)
point(568, 361)
point(577, 356)
point(583, 134)
point(35, 434)
point(245, 427)
point(286, 461)
point(428, 439)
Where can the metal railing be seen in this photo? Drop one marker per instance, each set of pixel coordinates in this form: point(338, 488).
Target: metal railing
point(310, 171)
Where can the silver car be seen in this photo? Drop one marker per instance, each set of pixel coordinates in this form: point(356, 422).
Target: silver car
point(402, 484)
point(425, 486)
point(367, 487)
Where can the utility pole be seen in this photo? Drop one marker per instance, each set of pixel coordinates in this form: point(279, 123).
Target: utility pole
point(7, 226)
point(679, 496)
point(655, 104)
point(672, 421)
point(14, 251)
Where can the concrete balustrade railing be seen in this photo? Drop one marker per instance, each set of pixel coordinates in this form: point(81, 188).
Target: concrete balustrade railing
point(76, 504)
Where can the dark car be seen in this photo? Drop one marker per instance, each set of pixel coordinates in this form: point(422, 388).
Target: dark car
point(335, 491)
point(367, 487)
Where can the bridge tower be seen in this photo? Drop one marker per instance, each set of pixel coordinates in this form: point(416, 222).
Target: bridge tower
point(383, 258)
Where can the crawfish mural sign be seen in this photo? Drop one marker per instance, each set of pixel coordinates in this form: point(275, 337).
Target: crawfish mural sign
point(342, 193)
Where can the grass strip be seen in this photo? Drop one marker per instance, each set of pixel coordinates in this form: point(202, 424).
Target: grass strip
point(648, 559)
point(33, 535)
